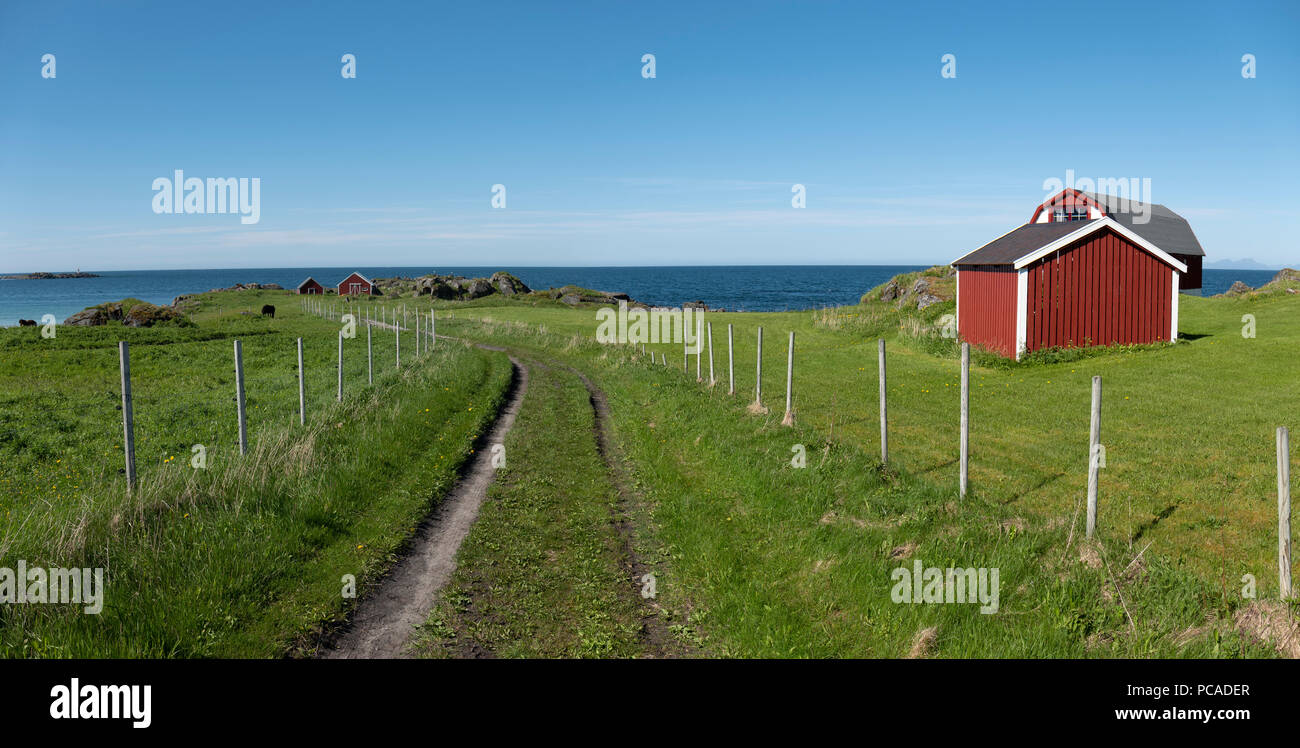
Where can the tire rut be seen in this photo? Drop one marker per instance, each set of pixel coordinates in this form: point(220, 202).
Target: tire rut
point(382, 624)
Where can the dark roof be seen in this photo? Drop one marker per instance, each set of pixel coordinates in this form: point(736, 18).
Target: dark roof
point(1164, 228)
point(1008, 248)
point(309, 280)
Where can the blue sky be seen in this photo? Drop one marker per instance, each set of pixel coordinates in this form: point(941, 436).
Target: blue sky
point(604, 167)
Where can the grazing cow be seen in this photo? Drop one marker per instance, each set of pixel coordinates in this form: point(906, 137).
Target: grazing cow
point(27, 323)
point(269, 310)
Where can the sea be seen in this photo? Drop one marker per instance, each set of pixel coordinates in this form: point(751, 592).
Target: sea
point(751, 288)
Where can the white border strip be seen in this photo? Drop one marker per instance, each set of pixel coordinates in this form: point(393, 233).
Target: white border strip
point(1022, 311)
point(1173, 312)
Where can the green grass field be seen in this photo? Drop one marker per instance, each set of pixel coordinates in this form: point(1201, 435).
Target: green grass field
point(777, 561)
point(245, 557)
point(754, 556)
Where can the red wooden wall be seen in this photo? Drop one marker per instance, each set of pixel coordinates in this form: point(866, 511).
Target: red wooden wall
point(343, 287)
point(1098, 291)
point(986, 316)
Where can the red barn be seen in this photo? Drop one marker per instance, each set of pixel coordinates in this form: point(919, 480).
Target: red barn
point(356, 284)
point(311, 287)
point(1079, 273)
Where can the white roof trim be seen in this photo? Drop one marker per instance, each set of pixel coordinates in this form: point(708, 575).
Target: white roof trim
point(359, 275)
point(1090, 227)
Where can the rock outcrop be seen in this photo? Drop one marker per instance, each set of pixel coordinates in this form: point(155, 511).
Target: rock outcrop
point(130, 312)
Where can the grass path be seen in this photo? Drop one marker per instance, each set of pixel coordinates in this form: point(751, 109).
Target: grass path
point(382, 623)
point(551, 568)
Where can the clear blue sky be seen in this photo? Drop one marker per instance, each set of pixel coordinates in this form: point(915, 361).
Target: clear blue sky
point(603, 167)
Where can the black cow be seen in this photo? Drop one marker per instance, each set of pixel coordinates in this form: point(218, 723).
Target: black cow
point(27, 323)
point(268, 310)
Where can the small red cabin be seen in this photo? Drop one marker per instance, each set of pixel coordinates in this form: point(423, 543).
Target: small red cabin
point(311, 287)
point(356, 284)
point(1081, 277)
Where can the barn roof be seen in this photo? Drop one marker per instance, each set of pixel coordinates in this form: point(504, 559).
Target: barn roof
point(308, 280)
point(359, 275)
point(1017, 243)
point(1031, 241)
point(1163, 228)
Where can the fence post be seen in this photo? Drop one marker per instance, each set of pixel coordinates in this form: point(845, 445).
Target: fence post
point(397, 335)
point(965, 416)
point(340, 395)
point(731, 365)
point(302, 390)
point(789, 384)
point(758, 372)
point(1284, 512)
point(433, 329)
point(1094, 452)
point(884, 410)
point(370, 358)
point(128, 415)
point(417, 334)
point(239, 398)
point(711, 379)
point(699, 346)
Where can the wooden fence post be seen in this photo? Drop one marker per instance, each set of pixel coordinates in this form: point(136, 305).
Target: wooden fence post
point(340, 394)
point(711, 379)
point(433, 329)
point(884, 410)
point(965, 416)
point(699, 347)
point(239, 398)
point(128, 415)
point(758, 373)
point(1094, 454)
point(1284, 512)
point(731, 364)
point(789, 384)
point(397, 335)
point(302, 389)
point(370, 358)
point(417, 334)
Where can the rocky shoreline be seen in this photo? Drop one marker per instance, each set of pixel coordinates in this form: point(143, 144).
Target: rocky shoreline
point(48, 276)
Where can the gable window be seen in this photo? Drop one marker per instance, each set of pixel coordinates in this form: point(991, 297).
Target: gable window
point(1070, 213)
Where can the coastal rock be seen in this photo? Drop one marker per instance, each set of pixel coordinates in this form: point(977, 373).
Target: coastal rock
point(1237, 289)
point(572, 299)
point(890, 291)
point(478, 288)
point(130, 312)
point(1286, 275)
point(145, 314)
point(92, 317)
point(48, 276)
point(508, 285)
point(926, 299)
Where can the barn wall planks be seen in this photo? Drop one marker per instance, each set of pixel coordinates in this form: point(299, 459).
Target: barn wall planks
point(1099, 291)
point(989, 317)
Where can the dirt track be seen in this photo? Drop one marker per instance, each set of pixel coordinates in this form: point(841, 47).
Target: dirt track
point(384, 620)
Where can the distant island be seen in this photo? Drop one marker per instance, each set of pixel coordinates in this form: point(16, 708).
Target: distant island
point(1247, 263)
point(47, 276)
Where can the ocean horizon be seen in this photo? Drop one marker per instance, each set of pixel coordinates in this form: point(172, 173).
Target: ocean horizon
point(747, 288)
